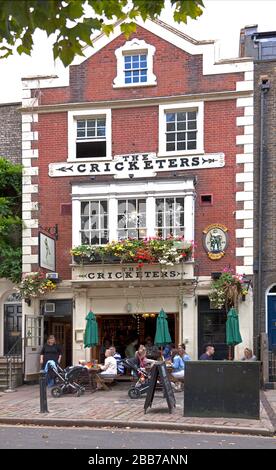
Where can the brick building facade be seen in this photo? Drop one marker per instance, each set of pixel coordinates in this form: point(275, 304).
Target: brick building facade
point(142, 91)
point(262, 47)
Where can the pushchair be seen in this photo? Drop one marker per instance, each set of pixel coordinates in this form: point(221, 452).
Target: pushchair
point(143, 378)
point(66, 380)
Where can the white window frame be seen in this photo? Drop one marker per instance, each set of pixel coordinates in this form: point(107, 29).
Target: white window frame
point(135, 46)
point(178, 107)
point(144, 190)
point(73, 117)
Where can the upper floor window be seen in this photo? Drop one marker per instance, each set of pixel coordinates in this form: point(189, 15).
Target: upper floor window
point(132, 218)
point(135, 64)
point(181, 129)
point(169, 213)
point(89, 134)
point(91, 138)
point(103, 212)
point(94, 222)
point(135, 68)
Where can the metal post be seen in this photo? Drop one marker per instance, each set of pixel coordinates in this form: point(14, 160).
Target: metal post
point(43, 392)
point(10, 389)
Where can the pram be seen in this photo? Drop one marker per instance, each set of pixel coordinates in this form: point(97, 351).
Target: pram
point(142, 384)
point(66, 380)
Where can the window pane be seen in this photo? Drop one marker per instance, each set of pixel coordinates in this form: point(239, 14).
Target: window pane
point(127, 58)
point(191, 145)
point(144, 79)
point(159, 204)
point(121, 206)
point(181, 145)
point(94, 223)
point(81, 133)
point(181, 116)
point(179, 204)
point(192, 115)
point(84, 239)
point(181, 126)
point(91, 123)
point(170, 126)
point(191, 135)
point(80, 124)
point(171, 137)
point(191, 124)
point(170, 147)
point(143, 57)
point(103, 207)
point(135, 58)
point(85, 223)
point(169, 204)
point(170, 117)
point(91, 132)
point(142, 205)
point(85, 208)
point(131, 205)
point(181, 136)
point(121, 221)
point(94, 207)
point(128, 66)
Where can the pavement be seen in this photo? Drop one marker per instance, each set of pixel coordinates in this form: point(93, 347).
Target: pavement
point(113, 408)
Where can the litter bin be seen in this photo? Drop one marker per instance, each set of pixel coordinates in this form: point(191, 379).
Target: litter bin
point(229, 389)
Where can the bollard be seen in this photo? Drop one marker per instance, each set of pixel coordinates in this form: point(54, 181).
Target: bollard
point(43, 392)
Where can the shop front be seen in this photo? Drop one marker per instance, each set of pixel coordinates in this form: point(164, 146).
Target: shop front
point(127, 306)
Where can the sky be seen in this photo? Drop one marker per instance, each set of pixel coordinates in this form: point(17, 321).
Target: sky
point(221, 20)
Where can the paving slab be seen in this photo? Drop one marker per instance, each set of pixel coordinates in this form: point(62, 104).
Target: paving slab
point(115, 408)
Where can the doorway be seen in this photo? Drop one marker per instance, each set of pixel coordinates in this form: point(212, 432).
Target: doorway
point(211, 329)
point(12, 328)
point(59, 324)
point(120, 330)
point(271, 321)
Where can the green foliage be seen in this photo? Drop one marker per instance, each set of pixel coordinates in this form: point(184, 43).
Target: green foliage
point(227, 290)
point(74, 21)
point(10, 220)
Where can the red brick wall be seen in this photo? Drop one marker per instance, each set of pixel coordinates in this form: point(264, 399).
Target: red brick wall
point(136, 130)
point(177, 73)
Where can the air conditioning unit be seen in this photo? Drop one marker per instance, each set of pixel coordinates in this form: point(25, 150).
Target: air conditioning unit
point(49, 307)
point(52, 276)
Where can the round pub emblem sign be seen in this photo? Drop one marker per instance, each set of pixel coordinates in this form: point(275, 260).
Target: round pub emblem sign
point(215, 240)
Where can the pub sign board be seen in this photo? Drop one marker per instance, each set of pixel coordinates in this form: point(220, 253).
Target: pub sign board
point(136, 165)
point(47, 252)
point(160, 371)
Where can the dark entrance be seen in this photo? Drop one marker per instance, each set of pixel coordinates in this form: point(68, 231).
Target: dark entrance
point(271, 322)
point(211, 329)
point(58, 322)
point(12, 328)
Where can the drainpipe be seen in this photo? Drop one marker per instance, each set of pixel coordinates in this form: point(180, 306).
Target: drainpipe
point(264, 86)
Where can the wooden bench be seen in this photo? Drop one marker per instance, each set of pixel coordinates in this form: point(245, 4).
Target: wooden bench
point(103, 381)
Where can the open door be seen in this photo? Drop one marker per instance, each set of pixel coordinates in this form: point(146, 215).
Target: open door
point(34, 326)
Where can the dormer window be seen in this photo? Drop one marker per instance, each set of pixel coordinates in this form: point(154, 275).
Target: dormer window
point(135, 65)
point(136, 68)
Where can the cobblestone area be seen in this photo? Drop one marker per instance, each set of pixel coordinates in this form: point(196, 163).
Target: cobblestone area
point(113, 407)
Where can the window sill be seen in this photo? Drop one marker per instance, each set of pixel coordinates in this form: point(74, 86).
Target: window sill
point(134, 85)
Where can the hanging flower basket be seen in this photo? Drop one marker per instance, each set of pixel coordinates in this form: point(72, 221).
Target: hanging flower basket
point(35, 285)
point(227, 290)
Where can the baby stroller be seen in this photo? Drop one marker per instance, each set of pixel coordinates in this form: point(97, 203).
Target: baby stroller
point(66, 380)
point(142, 384)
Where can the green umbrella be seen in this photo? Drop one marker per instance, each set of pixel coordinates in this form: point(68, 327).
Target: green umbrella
point(91, 337)
point(162, 335)
point(233, 335)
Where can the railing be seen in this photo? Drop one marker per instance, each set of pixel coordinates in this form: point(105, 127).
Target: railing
point(14, 361)
point(272, 366)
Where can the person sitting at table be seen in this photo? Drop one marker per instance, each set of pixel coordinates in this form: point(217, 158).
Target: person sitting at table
point(110, 364)
point(177, 365)
point(141, 357)
point(248, 355)
point(182, 352)
point(118, 357)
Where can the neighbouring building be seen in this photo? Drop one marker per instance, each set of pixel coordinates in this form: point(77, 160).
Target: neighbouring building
point(10, 301)
point(261, 46)
point(149, 136)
